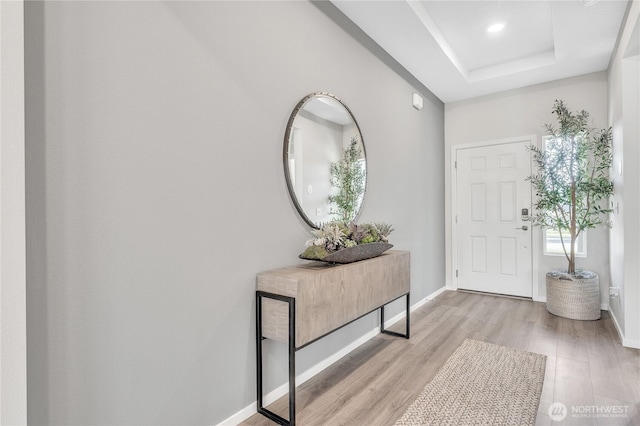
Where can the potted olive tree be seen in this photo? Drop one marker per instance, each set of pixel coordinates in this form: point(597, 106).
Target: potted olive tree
point(572, 188)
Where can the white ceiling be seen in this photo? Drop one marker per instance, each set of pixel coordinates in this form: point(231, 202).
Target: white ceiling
point(329, 109)
point(445, 45)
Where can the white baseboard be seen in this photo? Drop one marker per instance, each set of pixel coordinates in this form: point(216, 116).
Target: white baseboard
point(241, 415)
point(430, 297)
point(413, 307)
point(629, 343)
point(282, 390)
point(618, 329)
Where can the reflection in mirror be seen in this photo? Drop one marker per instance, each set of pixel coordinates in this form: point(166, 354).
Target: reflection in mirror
point(324, 160)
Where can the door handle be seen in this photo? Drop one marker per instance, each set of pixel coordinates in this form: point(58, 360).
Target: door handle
point(524, 228)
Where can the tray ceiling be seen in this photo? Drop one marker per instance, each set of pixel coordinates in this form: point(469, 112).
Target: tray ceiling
point(446, 45)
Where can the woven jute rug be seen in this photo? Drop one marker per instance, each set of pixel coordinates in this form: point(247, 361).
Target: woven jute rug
point(481, 384)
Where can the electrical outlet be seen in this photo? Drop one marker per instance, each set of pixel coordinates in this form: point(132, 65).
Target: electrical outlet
point(614, 292)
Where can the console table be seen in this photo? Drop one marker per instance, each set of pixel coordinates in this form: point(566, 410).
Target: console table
point(300, 304)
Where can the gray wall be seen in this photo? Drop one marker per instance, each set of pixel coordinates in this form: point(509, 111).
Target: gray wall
point(152, 202)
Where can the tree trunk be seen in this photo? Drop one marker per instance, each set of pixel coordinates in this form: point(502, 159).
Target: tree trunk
point(572, 253)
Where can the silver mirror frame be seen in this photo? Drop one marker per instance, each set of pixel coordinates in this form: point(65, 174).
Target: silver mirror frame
point(285, 154)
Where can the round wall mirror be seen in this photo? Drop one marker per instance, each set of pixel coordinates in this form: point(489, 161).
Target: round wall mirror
point(325, 163)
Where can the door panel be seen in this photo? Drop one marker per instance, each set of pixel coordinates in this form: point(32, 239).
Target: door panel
point(493, 250)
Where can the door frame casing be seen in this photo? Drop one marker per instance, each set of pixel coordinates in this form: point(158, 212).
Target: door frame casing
point(535, 236)
point(13, 312)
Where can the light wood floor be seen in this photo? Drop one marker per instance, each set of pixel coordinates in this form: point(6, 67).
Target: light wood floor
point(587, 367)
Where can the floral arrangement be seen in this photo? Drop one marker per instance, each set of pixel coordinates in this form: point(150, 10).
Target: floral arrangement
point(335, 236)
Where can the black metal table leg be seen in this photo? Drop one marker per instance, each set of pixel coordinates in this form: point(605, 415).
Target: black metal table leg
point(292, 351)
point(292, 358)
point(408, 317)
point(292, 361)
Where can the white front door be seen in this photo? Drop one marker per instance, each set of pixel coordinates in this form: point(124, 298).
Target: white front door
point(493, 232)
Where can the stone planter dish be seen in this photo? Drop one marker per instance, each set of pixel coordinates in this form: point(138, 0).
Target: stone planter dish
point(354, 254)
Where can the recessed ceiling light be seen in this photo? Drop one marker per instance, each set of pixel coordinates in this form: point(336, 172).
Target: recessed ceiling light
point(495, 28)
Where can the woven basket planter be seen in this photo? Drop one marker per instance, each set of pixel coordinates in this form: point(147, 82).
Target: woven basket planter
point(574, 297)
